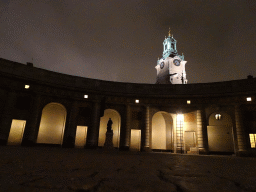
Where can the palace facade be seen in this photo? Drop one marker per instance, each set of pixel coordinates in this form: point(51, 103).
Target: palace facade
point(40, 107)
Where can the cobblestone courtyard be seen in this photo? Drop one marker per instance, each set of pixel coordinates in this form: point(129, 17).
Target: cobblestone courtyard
point(57, 169)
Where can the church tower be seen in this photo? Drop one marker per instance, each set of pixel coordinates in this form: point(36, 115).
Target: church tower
point(171, 67)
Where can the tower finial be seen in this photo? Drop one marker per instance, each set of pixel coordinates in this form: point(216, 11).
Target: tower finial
point(169, 33)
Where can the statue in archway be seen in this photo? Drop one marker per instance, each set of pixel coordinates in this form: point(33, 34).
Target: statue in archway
point(109, 125)
point(109, 136)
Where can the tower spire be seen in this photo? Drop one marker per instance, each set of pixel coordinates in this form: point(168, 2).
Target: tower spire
point(169, 33)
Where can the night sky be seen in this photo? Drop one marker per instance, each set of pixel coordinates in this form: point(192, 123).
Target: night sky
point(120, 40)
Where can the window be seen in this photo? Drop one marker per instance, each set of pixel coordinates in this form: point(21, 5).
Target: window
point(188, 101)
point(27, 86)
point(137, 101)
point(85, 96)
point(249, 99)
point(252, 139)
point(218, 116)
point(165, 47)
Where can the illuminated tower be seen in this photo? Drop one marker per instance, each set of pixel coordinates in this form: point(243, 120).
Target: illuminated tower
point(171, 67)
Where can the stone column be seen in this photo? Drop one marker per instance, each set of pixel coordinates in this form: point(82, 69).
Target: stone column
point(128, 128)
point(241, 143)
point(6, 120)
point(201, 125)
point(32, 126)
point(71, 125)
point(146, 132)
point(93, 130)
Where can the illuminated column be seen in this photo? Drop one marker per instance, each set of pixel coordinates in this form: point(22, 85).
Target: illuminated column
point(6, 122)
point(179, 132)
point(241, 143)
point(128, 127)
point(200, 133)
point(71, 125)
point(146, 132)
point(31, 128)
point(93, 130)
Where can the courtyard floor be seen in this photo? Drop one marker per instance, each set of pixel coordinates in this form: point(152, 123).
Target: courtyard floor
point(58, 169)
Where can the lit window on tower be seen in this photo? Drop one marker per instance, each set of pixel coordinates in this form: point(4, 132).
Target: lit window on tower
point(248, 99)
point(252, 139)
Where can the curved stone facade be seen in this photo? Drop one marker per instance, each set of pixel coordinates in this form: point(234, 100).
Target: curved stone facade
point(185, 121)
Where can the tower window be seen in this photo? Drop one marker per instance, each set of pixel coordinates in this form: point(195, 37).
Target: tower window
point(165, 47)
point(172, 46)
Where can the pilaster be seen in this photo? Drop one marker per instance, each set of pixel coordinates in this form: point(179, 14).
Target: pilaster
point(241, 142)
point(201, 128)
point(146, 131)
point(32, 124)
point(127, 129)
point(93, 130)
point(71, 125)
point(6, 122)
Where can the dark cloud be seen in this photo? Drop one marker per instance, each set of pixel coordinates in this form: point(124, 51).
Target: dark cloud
point(121, 40)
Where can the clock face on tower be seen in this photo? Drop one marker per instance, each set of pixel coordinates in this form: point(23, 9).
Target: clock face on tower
point(176, 62)
point(162, 65)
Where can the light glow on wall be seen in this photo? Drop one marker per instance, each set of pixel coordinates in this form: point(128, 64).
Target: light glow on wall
point(81, 133)
point(86, 96)
point(188, 101)
point(248, 99)
point(180, 118)
point(16, 132)
point(252, 140)
point(135, 140)
point(27, 86)
point(179, 131)
point(137, 101)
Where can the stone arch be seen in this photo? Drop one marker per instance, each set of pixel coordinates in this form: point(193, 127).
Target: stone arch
point(116, 118)
point(52, 124)
point(219, 133)
point(162, 131)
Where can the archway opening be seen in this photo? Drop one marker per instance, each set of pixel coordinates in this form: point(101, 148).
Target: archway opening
point(162, 132)
point(52, 125)
point(220, 134)
point(116, 119)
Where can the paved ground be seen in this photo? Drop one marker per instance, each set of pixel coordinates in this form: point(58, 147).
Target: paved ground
point(56, 169)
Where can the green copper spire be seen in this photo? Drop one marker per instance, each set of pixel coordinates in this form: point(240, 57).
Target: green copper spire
point(170, 49)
